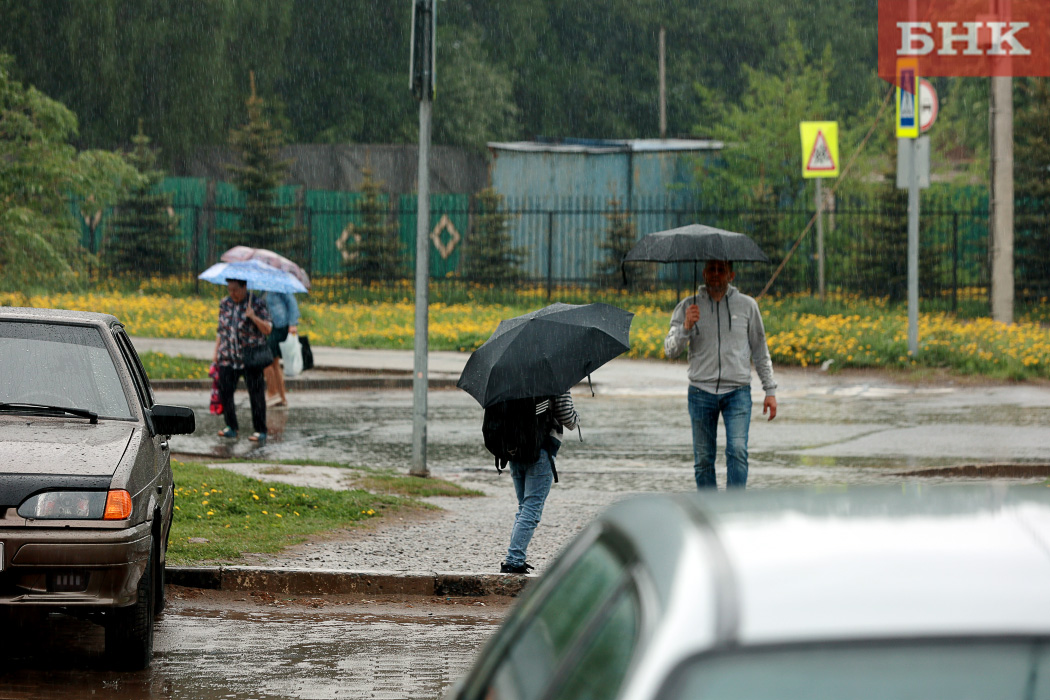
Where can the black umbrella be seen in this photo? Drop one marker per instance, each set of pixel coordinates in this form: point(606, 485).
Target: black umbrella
point(694, 243)
point(545, 352)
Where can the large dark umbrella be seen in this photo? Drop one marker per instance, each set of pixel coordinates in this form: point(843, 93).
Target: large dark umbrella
point(694, 243)
point(545, 352)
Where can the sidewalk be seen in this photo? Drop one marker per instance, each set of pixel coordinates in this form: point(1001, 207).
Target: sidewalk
point(346, 368)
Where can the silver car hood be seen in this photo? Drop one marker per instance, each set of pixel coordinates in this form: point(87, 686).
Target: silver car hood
point(34, 445)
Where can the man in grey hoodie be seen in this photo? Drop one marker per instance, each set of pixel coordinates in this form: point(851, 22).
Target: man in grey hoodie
point(723, 329)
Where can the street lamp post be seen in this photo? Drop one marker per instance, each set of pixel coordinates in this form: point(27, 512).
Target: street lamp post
point(421, 80)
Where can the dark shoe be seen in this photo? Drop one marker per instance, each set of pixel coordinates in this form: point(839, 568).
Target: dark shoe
point(228, 432)
point(506, 568)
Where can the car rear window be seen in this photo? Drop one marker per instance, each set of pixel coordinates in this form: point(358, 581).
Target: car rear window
point(897, 671)
point(580, 639)
point(60, 365)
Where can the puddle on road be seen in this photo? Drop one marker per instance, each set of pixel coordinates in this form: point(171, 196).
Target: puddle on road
point(985, 471)
point(241, 654)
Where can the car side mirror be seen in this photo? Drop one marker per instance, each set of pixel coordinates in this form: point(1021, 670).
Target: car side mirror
point(173, 420)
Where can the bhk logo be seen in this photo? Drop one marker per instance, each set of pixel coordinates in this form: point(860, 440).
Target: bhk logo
point(965, 37)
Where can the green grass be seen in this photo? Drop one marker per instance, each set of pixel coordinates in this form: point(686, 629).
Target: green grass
point(220, 515)
point(161, 366)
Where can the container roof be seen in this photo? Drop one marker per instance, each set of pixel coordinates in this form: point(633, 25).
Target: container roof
point(607, 145)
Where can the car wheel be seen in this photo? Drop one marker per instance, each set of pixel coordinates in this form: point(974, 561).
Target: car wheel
point(129, 631)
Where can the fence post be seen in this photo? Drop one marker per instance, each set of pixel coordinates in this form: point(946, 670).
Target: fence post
point(955, 262)
point(195, 243)
point(550, 253)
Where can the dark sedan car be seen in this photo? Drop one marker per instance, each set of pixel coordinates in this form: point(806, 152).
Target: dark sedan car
point(86, 488)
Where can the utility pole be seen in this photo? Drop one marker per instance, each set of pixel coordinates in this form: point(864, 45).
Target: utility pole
point(421, 80)
point(663, 82)
point(1001, 202)
point(1001, 179)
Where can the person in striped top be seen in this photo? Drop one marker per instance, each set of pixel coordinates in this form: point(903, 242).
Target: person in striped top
point(532, 482)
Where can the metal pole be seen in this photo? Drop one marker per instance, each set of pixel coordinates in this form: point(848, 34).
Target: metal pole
point(820, 238)
point(955, 262)
point(419, 375)
point(913, 251)
point(550, 253)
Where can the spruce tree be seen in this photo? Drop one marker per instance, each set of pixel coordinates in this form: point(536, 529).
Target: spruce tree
point(491, 258)
point(144, 234)
point(620, 236)
point(264, 223)
point(762, 219)
point(378, 253)
point(880, 257)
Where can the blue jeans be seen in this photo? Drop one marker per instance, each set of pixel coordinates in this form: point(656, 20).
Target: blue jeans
point(735, 408)
point(532, 483)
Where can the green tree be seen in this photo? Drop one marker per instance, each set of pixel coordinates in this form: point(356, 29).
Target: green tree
point(264, 222)
point(144, 236)
point(378, 251)
point(477, 96)
point(40, 245)
point(490, 257)
point(621, 234)
point(762, 130)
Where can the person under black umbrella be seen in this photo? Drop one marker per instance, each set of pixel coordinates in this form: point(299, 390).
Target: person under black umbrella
point(521, 376)
point(722, 328)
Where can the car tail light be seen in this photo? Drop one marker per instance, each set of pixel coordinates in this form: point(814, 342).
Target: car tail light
point(118, 505)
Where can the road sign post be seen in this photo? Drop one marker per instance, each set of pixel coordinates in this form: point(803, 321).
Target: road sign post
point(820, 159)
point(907, 133)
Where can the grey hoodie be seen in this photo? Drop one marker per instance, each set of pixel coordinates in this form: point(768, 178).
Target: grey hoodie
point(723, 343)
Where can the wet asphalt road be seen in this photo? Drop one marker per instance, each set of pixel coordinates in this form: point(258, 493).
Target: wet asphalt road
point(236, 646)
point(843, 429)
point(830, 430)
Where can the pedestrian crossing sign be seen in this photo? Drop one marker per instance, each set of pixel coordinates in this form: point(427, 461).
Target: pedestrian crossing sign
point(820, 149)
point(907, 98)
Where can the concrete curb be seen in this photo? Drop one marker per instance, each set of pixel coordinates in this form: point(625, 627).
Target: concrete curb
point(337, 582)
point(381, 381)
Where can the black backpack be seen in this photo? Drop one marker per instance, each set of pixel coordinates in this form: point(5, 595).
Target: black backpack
point(513, 430)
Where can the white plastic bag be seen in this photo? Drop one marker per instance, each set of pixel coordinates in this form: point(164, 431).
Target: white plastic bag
point(292, 355)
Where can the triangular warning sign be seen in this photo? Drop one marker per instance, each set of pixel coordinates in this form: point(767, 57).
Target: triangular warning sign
point(820, 158)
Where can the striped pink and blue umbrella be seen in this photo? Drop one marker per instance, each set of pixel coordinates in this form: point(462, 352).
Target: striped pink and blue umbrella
point(259, 276)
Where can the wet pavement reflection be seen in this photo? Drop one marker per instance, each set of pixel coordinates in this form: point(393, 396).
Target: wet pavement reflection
point(239, 647)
